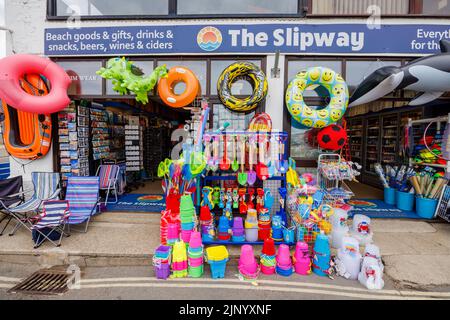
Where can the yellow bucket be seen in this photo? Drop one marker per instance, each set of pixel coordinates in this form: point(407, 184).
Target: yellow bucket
point(216, 253)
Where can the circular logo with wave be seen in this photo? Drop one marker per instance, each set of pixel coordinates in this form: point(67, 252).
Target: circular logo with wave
point(209, 38)
point(150, 198)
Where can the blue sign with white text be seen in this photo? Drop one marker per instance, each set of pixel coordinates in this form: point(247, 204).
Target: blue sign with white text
point(252, 38)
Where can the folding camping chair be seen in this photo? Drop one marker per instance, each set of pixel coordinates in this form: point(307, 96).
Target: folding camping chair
point(51, 222)
point(46, 187)
point(83, 196)
point(11, 194)
point(109, 180)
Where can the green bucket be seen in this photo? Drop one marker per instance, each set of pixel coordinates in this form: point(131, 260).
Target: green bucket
point(186, 203)
point(195, 272)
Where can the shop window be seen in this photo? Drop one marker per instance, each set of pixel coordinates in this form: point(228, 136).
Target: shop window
point(359, 7)
point(106, 8)
point(240, 87)
point(436, 7)
point(196, 66)
point(295, 66)
point(145, 66)
point(258, 7)
point(357, 70)
point(84, 79)
point(300, 148)
point(237, 120)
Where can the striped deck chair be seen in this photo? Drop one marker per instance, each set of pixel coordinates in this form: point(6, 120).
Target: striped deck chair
point(46, 187)
point(109, 180)
point(51, 222)
point(82, 194)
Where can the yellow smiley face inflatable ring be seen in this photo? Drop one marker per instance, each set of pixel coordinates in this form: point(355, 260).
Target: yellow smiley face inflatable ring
point(310, 117)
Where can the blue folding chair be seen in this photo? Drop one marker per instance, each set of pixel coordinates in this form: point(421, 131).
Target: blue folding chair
point(50, 224)
point(109, 180)
point(83, 196)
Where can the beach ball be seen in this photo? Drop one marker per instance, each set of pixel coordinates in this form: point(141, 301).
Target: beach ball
point(332, 137)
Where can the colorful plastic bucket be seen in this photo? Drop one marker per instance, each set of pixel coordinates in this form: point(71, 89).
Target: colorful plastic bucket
point(195, 272)
point(389, 196)
point(162, 271)
point(195, 262)
point(251, 234)
point(218, 268)
point(405, 201)
point(425, 207)
point(267, 270)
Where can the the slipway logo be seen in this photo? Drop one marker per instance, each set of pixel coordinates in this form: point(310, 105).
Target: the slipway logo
point(209, 38)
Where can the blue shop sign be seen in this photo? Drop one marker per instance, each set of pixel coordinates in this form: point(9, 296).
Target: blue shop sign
point(415, 39)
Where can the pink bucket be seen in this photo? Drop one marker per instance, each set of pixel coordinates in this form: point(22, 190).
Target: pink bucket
point(267, 270)
point(303, 267)
point(186, 235)
point(172, 231)
point(179, 266)
point(195, 262)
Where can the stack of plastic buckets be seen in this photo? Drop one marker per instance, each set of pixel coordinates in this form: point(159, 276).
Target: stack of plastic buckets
point(267, 257)
point(264, 221)
point(251, 226)
point(195, 255)
point(161, 261)
point(217, 258)
point(207, 224)
point(223, 229)
point(248, 267)
point(179, 260)
point(284, 262)
point(187, 216)
point(173, 233)
point(238, 230)
point(302, 260)
point(277, 228)
point(164, 226)
point(321, 260)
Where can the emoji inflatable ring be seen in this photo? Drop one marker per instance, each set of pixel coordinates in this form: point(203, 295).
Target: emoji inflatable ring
point(309, 116)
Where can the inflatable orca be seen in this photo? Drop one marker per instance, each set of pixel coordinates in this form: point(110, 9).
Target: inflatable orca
point(428, 75)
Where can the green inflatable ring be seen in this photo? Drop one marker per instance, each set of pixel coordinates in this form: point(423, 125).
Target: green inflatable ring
point(308, 116)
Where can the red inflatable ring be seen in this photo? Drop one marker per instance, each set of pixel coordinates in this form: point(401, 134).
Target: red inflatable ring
point(14, 67)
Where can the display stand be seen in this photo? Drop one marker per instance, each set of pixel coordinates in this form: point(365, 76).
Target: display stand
point(444, 199)
point(225, 178)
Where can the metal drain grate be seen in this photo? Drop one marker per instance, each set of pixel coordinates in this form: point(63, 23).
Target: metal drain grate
point(46, 282)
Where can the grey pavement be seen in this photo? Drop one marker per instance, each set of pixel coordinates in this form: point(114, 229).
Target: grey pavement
point(416, 255)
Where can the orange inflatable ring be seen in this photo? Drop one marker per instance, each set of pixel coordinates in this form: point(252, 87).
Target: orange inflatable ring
point(12, 68)
point(167, 84)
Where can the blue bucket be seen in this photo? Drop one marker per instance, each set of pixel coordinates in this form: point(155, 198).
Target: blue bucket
point(405, 201)
point(425, 207)
point(389, 196)
point(218, 268)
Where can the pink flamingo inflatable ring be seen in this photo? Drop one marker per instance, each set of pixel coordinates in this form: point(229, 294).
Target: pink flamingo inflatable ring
point(14, 67)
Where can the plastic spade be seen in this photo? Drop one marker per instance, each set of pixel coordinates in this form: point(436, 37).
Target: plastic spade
point(235, 164)
point(225, 164)
point(261, 168)
point(215, 159)
point(272, 168)
point(242, 176)
point(282, 165)
point(251, 175)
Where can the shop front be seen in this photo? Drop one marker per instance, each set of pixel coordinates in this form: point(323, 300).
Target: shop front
point(272, 131)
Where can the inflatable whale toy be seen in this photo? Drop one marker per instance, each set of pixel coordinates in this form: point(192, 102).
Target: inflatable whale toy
point(430, 76)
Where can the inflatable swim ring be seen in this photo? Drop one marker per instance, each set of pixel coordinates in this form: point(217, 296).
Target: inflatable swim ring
point(12, 68)
point(27, 135)
point(167, 84)
point(308, 116)
point(236, 71)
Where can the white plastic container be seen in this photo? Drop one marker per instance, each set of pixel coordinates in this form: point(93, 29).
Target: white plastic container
point(251, 234)
point(349, 258)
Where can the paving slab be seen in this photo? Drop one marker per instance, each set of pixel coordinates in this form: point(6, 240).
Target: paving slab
point(401, 226)
point(419, 270)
